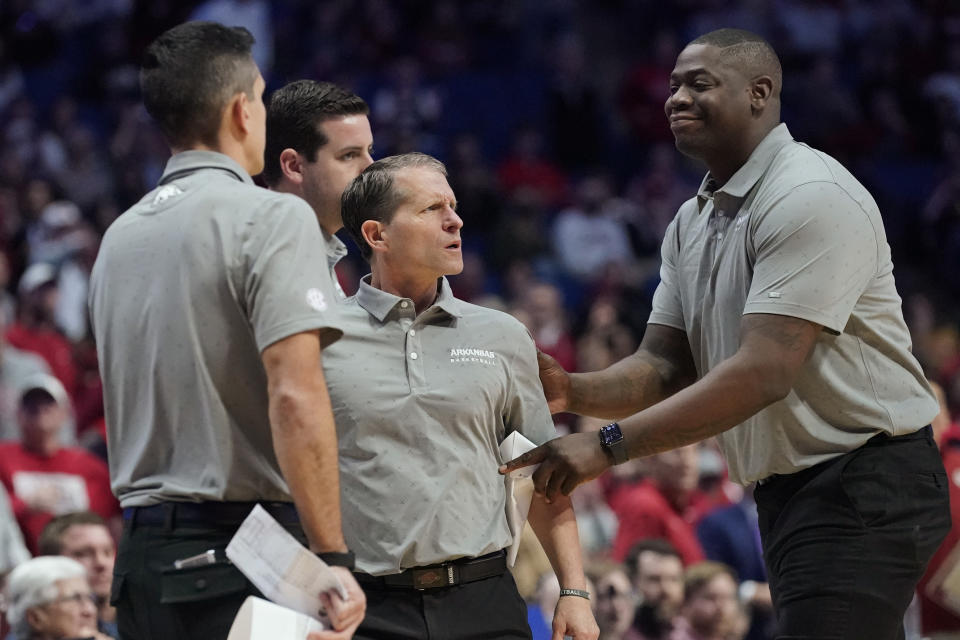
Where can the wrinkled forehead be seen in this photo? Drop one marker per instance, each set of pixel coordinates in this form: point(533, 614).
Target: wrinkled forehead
point(705, 58)
point(422, 183)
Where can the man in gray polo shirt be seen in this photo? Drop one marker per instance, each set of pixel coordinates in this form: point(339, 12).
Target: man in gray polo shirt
point(210, 306)
point(318, 140)
point(425, 387)
point(777, 327)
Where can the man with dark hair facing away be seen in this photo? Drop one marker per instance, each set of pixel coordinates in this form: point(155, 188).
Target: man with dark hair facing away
point(210, 306)
point(776, 327)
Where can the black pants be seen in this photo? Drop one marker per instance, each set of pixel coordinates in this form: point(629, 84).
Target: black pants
point(846, 541)
point(486, 609)
point(156, 602)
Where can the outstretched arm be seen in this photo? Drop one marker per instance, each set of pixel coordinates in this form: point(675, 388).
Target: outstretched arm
point(661, 366)
point(773, 350)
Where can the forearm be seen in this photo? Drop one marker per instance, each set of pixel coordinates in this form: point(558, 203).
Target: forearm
point(732, 392)
point(305, 440)
point(620, 390)
point(556, 527)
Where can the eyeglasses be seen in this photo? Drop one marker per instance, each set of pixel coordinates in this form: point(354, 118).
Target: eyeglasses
point(76, 598)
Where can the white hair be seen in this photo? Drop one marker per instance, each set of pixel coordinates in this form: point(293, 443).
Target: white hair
point(34, 583)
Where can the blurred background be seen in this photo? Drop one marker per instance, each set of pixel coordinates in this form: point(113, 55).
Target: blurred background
point(549, 116)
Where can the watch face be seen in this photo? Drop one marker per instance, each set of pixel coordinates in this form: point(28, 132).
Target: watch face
point(611, 434)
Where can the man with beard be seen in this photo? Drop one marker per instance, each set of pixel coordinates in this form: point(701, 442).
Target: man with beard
point(656, 571)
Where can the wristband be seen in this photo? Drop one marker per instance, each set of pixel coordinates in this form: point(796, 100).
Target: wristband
point(344, 559)
point(580, 593)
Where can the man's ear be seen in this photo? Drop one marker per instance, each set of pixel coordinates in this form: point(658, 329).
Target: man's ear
point(761, 90)
point(239, 110)
point(291, 163)
point(374, 234)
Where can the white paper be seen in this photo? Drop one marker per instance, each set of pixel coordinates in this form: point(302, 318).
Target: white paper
point(282, 568)
point(519, 487)
point(259, 619)
point(63, 492)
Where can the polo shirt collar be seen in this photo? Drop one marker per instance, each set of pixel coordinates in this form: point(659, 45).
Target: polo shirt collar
point(334, 248)
point(379, 303)
point(186, 162)
point(735, 191)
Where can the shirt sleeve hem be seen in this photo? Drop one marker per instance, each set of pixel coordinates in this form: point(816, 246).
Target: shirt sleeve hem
point(329, 333)
point(796, 311)
point(667, 321)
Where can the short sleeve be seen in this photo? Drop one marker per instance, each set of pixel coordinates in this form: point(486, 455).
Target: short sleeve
point(526, 408)
point(287, 287)
point(667, 306)
point(816, 252)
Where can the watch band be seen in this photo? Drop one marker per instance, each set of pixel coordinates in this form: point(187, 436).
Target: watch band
point(580, 593)
point(344, 559)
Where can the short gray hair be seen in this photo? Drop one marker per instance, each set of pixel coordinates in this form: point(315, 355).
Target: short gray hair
point(34, 583)
point(373, 196)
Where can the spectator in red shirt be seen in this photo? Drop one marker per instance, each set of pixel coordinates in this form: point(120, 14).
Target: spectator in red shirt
point(35, 330)
point(527, 168)
point(43, 478)
point(665, 505)
point(937, 617)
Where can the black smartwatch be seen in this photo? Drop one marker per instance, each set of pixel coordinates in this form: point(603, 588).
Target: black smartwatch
point(344, 559)
point(611, 439)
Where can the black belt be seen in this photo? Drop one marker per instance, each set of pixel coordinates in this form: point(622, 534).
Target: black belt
point(171, 514)
point(447, 574)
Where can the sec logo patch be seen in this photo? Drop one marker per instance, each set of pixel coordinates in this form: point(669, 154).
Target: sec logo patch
point(316, 300)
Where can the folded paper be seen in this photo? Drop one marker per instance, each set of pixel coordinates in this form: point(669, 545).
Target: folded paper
point(519, 489)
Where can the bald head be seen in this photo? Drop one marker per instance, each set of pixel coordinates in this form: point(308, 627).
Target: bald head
point(747, 52)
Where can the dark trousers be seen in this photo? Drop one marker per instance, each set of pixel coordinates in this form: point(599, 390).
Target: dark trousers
point(846, 541)
point(156, 602)
point(486, 609)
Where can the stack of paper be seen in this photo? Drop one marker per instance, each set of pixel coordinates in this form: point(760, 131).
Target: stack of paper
point(283, 569)
point(519, 487)
point(259, 619)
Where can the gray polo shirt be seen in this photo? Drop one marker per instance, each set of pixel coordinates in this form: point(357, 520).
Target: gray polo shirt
point(191, 284)
point(422, 404)
point(793, 233)
point(335, 251)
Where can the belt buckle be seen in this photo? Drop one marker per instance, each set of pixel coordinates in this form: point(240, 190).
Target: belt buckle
point(442, 576)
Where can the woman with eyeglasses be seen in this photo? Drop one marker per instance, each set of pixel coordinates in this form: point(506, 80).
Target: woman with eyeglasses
point(49, 598)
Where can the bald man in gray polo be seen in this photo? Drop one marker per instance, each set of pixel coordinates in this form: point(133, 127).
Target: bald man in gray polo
point(777, 327)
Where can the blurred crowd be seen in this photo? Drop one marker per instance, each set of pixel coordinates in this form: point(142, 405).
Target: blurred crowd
point(549, 116)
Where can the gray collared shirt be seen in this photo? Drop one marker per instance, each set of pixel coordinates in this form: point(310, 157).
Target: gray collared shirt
point(335, 251)
point(191, 284)
point(794, 233)
point(422, 404)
